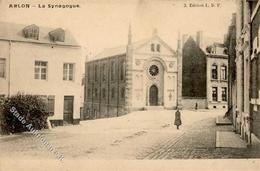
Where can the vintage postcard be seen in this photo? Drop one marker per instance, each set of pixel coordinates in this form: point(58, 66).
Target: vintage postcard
point(130, 85)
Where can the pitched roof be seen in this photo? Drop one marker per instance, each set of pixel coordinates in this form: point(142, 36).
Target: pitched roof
point(120, 50)
point(11, 31)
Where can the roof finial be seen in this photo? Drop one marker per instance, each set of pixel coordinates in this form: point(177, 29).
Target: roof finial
point(130, 34)
point(155, 32)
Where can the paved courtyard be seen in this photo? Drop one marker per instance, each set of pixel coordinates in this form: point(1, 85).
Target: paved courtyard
point(139, 135)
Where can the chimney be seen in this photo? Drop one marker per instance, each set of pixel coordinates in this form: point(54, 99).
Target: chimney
point(199, 38)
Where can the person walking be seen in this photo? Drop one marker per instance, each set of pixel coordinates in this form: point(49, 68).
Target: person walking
point(196, 106)
point(177, 120)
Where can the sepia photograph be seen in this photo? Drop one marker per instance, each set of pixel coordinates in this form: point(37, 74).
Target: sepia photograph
point(134, 85)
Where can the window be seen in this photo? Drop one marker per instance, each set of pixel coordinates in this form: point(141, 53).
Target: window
point(95, 92)
point(57, 35)
point(158, 48)
point(152, 47)
point(214, 71)
point(96, 72)
point(112, 70)
point(104, 72)
point(88, 73)
point(224, 94)
point(103, 93)
point(2, 67)
point(50, 105)
point(40, 70)
point(122, 93)
point(31, 32)
point(153, 70)
point(122, 71)
point(113, 93)
point(89, 93)
point(223, 72)
point(214, 93)
point(68, 70)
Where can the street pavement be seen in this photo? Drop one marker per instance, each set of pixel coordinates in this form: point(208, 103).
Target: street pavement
point(138, 135)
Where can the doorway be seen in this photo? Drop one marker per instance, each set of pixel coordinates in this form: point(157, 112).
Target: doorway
point(153, 95)
point(68, 109)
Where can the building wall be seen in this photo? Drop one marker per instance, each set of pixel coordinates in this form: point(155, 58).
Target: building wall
point(22, 60)
point(5, 53)
point(190, 103)
point(136, 83)
point(100, 84)
point(194, 70)
point(193, 74)
point(218, 60)
point(247, 66)
point(166, 80)
point(230, 43)
point(255, 78)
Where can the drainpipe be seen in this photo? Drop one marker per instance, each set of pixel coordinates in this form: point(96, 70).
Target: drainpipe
point(9, 69)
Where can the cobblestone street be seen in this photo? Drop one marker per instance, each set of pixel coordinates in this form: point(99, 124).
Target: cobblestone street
point(198, 142)
point(139, 135)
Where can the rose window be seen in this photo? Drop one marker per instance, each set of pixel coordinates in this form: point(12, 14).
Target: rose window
point(153, 70)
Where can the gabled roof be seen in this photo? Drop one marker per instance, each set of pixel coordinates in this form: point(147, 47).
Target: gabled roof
point(121, 50)
point(191, 40)
point(14, 32)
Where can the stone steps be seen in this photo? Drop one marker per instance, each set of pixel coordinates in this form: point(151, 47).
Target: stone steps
point(154, 108)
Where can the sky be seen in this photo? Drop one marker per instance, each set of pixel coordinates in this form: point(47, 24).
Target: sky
point(100, 24)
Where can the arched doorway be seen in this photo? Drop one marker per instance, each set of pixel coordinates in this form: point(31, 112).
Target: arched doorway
point(153, 95)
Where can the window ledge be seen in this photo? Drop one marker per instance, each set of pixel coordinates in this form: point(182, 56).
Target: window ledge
point(224, 80)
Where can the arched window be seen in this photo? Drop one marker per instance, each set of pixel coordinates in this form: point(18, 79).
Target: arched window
point(89, 93)
point(152, 47)
point(88, 73)
point(96, 72)
point(112, 70)
point(122, 70)
point(123, 93)
point(113, 93)
point(223, 72)
point(158, 48)
point(95, 92)
point(104, 93)
point(214, 71)
point(104, 72)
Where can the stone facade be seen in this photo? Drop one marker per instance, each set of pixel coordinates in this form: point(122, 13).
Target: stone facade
point(217, 87)
point(255, 72)
point(145, 74)
point(230, 43)
point(245, 87)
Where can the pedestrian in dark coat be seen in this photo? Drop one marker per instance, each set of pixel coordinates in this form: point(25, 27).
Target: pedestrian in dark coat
point(177, 120)
point(196, 106)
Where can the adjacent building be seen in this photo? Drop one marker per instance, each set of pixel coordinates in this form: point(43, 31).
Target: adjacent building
point(204, 74)
point(42, 61)
point(217, 77)
point(246, 86)
point(138, 76)
point(194, 73)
